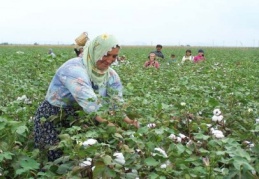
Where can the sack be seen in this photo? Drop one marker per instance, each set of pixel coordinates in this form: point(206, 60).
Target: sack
point(82, 39)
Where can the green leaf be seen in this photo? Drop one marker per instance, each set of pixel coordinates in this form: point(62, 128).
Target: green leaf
point(29, 164)
point(21, 130)
point(107, 159)
point(151, 161)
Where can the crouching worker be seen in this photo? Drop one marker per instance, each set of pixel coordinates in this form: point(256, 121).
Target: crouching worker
point(76, 85)
point(151, 62)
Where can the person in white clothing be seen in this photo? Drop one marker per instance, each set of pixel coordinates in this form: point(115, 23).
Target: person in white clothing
point(188, 56)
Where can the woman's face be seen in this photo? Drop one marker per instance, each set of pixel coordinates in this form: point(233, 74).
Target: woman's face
point(152, 56)
point(108, 59)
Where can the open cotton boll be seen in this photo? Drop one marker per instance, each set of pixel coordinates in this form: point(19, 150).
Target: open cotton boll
point(85, 164)
point(163, 166)
point(216, 112)
point(249, 144)
point(217, 118)
point(89, 142)
point(119, 158)
point(151, 125)
point(161, 151)
point(178, 139)
point(182, 136)
point(217, 133)
point(172, 136)
point(257, 121)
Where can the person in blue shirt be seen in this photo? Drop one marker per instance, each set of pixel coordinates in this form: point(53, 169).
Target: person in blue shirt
point(80, 83)
point(172, 59)
point(158, 51)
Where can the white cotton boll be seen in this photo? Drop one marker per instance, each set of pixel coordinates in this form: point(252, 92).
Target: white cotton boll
point(217, 133)
point(119, 158)
point(93, 168)
point(138, 150)
point(22, 98)
point(172, 136)
point(250, 110)
point(208, 125)
point(178, 139)
point(161, 151)
point(217, 118)
point(85, 164)
point(163, 166)
point(257, 121)
point(89, 142)
point(182, 136)
point(249, 144)
point(151, 125)
point(89, 159)
point(183, 104)
point(216, 112)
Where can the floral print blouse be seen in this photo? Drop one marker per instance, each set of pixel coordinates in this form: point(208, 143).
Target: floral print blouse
point(71, 86)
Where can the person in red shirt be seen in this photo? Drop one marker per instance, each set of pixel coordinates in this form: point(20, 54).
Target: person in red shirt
point(151, 62)
point(200, 57)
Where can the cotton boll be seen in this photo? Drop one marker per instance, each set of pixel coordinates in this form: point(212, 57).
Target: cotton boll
point(217, 118)
point(172, 136)
point(151, 125)
point(163, 166)
point(216, 112)
point(89, 142)
point(217, 133)
point(178, 139)
point(182, 136)
point(257, 121)
point(85, 164)
point(161, 151)
point(208, 125)
point(119, 158)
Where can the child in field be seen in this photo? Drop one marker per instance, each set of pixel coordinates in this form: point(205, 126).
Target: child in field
point(152, 61)
point(188, 56)
point(200, 57)
point(171, 60)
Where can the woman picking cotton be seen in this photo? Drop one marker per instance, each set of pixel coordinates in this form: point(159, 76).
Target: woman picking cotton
point(76, 84)
point(151, 62)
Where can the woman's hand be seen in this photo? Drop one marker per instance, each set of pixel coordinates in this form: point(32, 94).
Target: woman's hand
point(135, 123)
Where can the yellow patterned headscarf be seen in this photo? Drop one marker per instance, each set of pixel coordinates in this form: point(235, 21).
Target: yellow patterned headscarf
point(94, 51)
